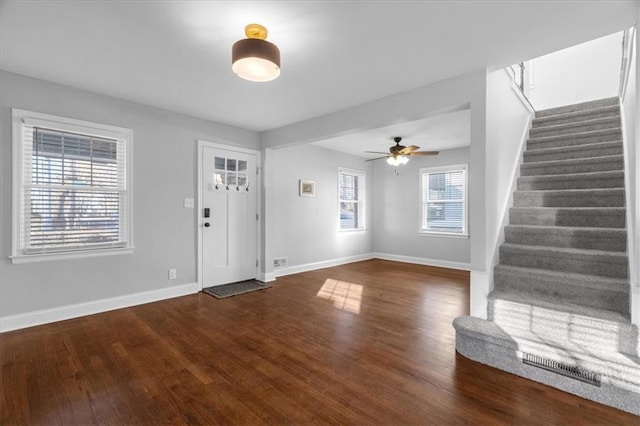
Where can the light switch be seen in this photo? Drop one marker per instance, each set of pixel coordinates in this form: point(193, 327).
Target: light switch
point(189, 203)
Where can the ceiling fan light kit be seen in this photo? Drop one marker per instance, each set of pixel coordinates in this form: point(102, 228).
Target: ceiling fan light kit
point(254, 58)
point(399, 154)
point(400, 160)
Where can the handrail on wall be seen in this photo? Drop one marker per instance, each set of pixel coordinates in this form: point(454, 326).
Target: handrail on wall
point(628, 38)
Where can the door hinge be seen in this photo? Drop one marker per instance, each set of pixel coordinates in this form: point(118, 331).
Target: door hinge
point(257, 216)
point(257, 262)
point(257, 170)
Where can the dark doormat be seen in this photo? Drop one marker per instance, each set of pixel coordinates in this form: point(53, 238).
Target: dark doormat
point(233, 289)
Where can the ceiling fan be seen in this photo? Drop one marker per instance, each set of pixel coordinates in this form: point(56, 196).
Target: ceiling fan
point(398, 154)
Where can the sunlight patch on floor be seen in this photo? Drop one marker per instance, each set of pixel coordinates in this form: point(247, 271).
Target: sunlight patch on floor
point(345, 296)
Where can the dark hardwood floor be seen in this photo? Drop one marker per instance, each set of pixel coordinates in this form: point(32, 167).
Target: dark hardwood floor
point(365, 343)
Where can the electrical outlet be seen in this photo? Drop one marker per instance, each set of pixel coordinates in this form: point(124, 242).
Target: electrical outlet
point(189, 203)
point(172, 274)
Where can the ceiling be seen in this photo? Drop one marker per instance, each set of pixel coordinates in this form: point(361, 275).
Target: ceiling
point(335, 54)
point(437, 133)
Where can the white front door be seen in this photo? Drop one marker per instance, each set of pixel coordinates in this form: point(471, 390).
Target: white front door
point(228, 216)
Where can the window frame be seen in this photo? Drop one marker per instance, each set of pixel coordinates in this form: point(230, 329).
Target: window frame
point(362, 182)
point(20, 118)
point(465, 216)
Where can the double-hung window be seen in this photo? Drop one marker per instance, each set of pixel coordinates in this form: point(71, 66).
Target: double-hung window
point(351, 193)
point(71, 190)
point(443, 208)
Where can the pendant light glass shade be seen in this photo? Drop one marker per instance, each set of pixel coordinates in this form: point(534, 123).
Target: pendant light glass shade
point(254, 58)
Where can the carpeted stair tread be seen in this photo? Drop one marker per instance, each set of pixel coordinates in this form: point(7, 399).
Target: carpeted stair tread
point(576, 127)
point(597, 149)
point(620, 285)
point(606, 135)
point(594, 291)
point(583, 106)
point(562, 306)
point(598, 197)
point(598, 238)
point(573, 165)
point(595, 262)
point(585, 114)
point(608, 217)
point(589, 180)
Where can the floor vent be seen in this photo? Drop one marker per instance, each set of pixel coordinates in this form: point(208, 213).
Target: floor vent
point(560, 368)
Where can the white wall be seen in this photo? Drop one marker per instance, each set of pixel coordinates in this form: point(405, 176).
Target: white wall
point(508, 118)
point(305, 229)
point(397, 214)
point(164, 172)
point(577, 74)
point(631, 118)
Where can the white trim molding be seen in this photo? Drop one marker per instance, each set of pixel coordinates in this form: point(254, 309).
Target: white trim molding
point(367, 256)
point(46, 316)
point(423, 261)
point(322, 264)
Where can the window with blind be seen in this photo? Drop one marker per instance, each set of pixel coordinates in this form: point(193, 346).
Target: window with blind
point(71, 186)
point(444, 200)
point(351, 190)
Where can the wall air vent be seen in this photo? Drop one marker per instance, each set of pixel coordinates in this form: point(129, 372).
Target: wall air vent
point(560, 368)
point(280, 262)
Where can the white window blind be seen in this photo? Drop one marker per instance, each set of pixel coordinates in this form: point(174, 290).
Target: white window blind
point(351, 199)
point(73, 192)
point(443, 208)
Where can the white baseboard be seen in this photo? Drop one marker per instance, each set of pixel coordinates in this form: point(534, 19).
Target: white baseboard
point(323, 264)
point(267, 277)
point(422, 261)
point(30, 319)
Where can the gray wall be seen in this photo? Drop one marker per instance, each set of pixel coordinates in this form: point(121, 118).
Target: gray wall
point(397, 212)
point(305, 229)
point(164, 172)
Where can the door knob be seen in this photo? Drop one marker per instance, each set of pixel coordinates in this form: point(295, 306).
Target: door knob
point(206, 224)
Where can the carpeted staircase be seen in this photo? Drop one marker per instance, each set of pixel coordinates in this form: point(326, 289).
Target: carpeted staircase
point(561, 290)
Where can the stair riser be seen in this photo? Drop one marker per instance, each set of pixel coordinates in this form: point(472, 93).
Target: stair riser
point(569, 129)
point(551, 217)
point(570, 140)
point(533, 156)
point(581, 239)
point(585, 332)
point(611, 300)
point(601, 103)
point(592, 264)
point(539, 183)
point(584, 116)
point(610, 198)
point(604, 165)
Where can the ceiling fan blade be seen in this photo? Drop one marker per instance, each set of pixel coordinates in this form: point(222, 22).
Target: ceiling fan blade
point(409, 149)
point(377, 152)
point(379, 158)
point(424, 153)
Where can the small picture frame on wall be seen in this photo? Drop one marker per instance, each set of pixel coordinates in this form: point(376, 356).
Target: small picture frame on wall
point(307, 188)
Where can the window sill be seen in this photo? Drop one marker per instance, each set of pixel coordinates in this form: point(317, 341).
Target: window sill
point(352, 230)
point(442, 234)
point(43, 257)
